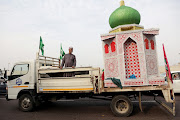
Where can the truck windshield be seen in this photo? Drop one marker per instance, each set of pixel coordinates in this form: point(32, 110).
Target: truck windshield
point(20, 69)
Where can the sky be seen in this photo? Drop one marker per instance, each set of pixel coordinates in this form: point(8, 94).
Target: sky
point(79, 23)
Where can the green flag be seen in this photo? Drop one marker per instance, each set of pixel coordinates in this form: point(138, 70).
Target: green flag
point(41, 46)
point(62, 53)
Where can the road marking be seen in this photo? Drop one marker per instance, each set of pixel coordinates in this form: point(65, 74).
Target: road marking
point(65, 100)
point(145, 101)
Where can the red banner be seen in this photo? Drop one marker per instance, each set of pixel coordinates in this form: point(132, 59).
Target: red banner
point(168, 72)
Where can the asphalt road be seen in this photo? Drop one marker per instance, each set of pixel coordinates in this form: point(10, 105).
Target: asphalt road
point(85, 109)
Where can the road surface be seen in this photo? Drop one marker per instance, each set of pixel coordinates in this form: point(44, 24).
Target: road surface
point(85, 109)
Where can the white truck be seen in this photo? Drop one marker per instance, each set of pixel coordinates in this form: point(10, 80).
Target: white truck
point(42, 80)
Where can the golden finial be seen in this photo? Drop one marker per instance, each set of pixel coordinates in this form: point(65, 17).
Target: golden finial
point(122, 3)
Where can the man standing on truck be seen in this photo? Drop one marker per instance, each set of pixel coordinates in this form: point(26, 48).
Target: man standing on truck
point(70, 61)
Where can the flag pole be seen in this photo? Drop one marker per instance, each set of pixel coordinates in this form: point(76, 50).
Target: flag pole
point(37, 54)
point(59, 63)
point(38, 51)
point(39, 46)
point(60, 55)
point(168, 75)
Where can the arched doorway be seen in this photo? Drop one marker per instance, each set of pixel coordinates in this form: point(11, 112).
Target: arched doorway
point(131, 58)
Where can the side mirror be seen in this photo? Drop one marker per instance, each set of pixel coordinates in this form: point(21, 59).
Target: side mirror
point(10, 77)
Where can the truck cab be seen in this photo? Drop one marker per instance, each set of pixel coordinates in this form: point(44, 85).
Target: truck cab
point(43, 75)
point(22, 77)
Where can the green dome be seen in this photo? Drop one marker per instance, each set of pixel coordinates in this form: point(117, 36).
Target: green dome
point(124, 15)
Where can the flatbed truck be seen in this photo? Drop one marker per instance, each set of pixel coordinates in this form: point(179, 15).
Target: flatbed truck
point(42, 80)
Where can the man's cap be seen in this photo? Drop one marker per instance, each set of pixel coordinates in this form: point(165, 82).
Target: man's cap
point(70, 47)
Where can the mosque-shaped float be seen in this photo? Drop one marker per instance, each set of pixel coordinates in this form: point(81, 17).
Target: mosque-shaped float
point(129, 50)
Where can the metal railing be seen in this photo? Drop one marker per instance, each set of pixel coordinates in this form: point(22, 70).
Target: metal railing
point(48, 61)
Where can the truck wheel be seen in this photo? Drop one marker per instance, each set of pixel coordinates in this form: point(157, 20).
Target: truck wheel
point(121, 106)
point(26, 103)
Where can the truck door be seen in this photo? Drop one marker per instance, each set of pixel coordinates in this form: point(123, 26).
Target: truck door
point(18, 80)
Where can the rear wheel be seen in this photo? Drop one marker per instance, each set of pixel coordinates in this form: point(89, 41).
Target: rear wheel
point(121, 106)
point(26, 103)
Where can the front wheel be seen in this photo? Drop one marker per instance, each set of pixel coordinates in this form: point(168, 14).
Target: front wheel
point(121, 106)
point(26, 103)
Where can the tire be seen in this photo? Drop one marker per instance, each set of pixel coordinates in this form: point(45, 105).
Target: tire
point(121, 106)
point(26, 103)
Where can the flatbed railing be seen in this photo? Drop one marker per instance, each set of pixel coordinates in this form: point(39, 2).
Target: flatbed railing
point(49, 61)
